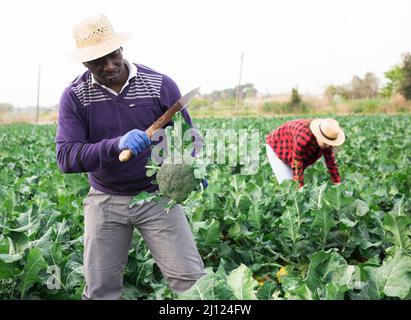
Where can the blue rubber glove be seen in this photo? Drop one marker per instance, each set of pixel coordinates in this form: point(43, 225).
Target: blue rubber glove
point(135, 140)
point(204, 182)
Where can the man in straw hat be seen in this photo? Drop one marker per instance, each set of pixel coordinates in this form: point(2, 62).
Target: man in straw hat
point(107, 109)
point(297, 144)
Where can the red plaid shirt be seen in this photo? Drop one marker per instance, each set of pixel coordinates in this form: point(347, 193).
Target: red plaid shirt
point(294, 143)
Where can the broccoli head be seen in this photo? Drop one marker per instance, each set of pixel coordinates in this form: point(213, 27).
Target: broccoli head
point(177, 181)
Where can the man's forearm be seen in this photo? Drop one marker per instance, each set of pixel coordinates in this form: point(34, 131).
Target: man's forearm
point(87, 157)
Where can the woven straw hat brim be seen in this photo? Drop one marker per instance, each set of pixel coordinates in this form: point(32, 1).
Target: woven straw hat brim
point(100, 49)
point(315, 129)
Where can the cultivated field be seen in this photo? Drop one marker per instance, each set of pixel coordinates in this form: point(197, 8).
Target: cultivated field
point(258, 239)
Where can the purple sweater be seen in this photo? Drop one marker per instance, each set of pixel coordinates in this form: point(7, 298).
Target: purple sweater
point(92, 120)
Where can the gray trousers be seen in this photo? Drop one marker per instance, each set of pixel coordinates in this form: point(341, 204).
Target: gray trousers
point(109, 224)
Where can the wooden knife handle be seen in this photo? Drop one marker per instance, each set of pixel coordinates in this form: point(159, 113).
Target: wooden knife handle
point(126, 154)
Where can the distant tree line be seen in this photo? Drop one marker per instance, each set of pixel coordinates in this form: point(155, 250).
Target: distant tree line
point(245, 91)
point(6, 107)
point(399, 81)
point(358, 88)
point(403, 79)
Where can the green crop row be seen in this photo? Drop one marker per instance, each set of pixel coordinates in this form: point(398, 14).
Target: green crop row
point(258, 239)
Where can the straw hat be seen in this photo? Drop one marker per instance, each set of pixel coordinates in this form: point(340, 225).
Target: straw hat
point(328, 130)
point(95, 37)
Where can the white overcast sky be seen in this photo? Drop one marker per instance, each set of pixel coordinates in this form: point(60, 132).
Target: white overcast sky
point(305, 43)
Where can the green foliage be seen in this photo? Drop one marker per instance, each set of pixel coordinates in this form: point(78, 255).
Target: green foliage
point(367, 105)
point(295, 97)
point(398, 229)
point(141, 198)
point(399, 79)
point(180, 173)
point(198, 103)
point(329, 276)
point(276, 107)
point(239, 284)
point(29, 276)
point(242, 283)
point(405, 82)
point(350, 241)
point(395, 75)
point(330, 92)
point(393, 278)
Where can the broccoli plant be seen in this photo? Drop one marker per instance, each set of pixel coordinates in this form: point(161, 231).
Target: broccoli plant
point(177, 181)
point(180, 172)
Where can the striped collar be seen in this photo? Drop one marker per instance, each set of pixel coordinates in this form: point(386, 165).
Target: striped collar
point(132, 72)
